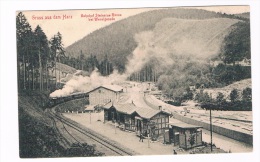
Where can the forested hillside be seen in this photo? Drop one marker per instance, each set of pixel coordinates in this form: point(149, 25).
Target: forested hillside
point(117, 40)
point(172, 47)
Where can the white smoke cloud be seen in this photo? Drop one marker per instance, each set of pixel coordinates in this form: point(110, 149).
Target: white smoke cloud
point(79, 83)
point(145, 52)
point(186, 39)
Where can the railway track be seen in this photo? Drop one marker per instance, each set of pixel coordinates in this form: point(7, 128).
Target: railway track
point(113, 146)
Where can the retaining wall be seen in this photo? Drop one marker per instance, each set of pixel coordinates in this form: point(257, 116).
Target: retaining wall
point(236, 135)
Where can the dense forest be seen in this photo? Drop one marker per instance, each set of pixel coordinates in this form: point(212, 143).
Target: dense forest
point(235, 50)
point(35, 57)
point(185, 70)
point(117, 42)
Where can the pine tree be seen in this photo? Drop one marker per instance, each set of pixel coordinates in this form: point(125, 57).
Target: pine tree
point(42, 49)
point(23, 38)
point(234, 95)
point(57, 51)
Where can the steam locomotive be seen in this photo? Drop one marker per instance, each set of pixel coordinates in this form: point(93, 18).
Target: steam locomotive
point(53, 101)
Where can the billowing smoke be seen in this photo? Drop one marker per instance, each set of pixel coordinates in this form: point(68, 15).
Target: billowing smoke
point(79, 83)
point(170, 40)
point(145, 52)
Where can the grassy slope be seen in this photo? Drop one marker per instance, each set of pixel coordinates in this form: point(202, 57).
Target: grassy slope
point(201, 38)
point(240, 86)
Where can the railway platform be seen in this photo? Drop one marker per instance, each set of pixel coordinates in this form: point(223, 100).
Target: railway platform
point(125, 138)
point(131, 140)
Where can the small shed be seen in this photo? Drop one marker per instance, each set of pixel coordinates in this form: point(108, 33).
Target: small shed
point(185, 135)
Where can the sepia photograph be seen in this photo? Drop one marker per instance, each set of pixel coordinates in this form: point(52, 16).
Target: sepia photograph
point(167, 82)
point(126, 82)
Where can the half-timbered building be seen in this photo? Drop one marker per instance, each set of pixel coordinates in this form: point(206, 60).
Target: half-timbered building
point(143, 120)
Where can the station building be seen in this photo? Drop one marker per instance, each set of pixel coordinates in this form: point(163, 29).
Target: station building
point(105, 94)
point(143, 120)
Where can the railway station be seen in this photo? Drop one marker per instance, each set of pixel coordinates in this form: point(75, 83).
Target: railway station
point(141, 120)
point(104, 94)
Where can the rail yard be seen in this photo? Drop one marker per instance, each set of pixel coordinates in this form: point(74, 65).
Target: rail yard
point(78, 128)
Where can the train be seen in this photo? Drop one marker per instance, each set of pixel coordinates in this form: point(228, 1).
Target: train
point(53, 101)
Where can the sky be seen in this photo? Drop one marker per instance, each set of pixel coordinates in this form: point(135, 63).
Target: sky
point(76, 26)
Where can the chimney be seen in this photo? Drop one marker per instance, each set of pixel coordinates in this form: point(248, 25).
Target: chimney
point(160, 108)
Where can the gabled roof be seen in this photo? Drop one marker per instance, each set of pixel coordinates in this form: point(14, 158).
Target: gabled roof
point(146, 112)
point(128, 108)
point(114, 88)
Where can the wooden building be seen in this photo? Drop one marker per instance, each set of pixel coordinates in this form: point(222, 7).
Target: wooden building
point(151, 121)
point(185, 135)
point(139, 119)
point(123, 114)
point(105, 94)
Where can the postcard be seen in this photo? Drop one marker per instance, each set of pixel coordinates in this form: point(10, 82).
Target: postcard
point(133, 82)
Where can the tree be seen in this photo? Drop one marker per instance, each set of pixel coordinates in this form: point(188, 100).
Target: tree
point(236, 45)
point(188, 94)
point(234, 95)
point(57, 51)
point(220, 98)
point(220, 101)
point(23, 38)
point(42, 50)
point(247, 94)
point(82, 60)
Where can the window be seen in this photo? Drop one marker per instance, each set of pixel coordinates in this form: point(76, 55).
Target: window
point(99, 91)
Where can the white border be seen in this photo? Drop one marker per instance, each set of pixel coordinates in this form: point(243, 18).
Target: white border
point(9, 150)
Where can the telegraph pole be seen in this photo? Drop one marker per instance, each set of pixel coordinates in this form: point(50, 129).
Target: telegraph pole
point(90, 117)
point(210, 118)
point(148, 140)
point(115, 127)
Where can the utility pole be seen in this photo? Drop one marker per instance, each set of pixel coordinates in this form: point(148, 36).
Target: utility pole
point(148, 140)
point(210, 118)
point(90, 117)
point(115, 127)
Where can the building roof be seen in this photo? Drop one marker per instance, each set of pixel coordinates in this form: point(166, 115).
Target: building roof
point(184, 125)
point(128, 108)
point(89, 107)
point(108, 105)
point(114, 88)
point(146, 112)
